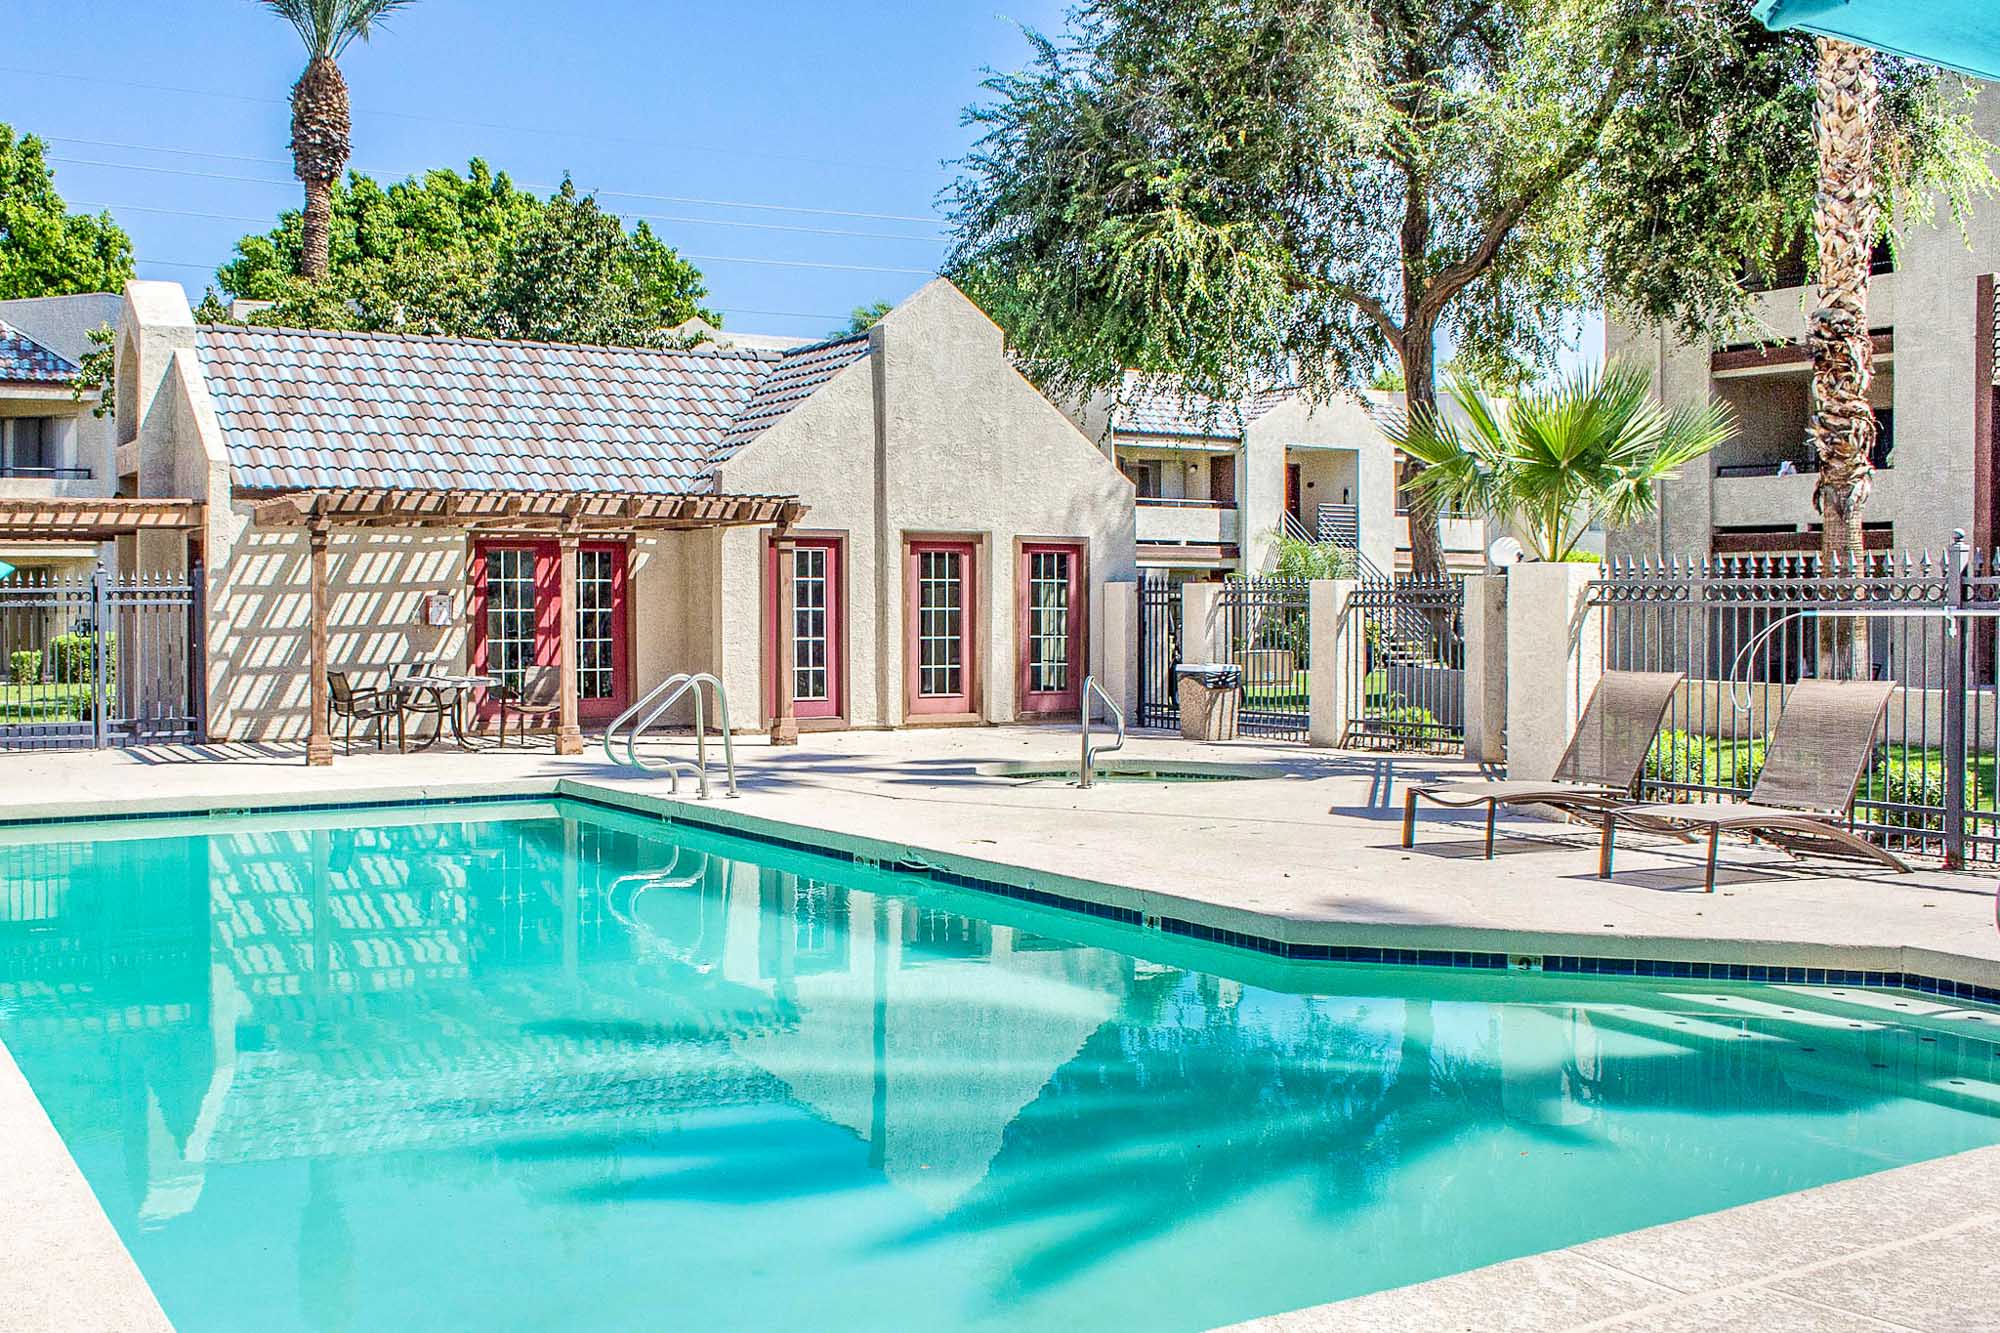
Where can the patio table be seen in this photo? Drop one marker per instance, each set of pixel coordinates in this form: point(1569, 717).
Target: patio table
point(453, 693)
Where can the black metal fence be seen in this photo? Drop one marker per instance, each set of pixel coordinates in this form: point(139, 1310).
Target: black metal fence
point(1403, 680)
point(1266, 630)
point(1744, 628)
point(98, 659)
point(1159, 650)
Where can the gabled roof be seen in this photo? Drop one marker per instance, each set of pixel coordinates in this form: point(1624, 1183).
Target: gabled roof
point(25, 361)
point(799, 371)
point(313, 409)
point(1152, 405)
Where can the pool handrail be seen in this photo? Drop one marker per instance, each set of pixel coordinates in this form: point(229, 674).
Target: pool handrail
point(1090, 752)
point(654, 705)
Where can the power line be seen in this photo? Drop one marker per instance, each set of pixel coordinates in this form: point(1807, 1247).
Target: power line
point(590, 135)
point(706, 259)
point(293, 184)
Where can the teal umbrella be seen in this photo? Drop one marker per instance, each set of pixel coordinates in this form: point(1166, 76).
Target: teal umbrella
point(1960, 34)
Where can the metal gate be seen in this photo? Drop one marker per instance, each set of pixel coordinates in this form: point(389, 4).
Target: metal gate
point(1266, 629)
point(100, 659)
point(1403, 682)
point(1159, 650)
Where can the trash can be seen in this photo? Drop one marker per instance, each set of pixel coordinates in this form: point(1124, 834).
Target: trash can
point(1209, 694)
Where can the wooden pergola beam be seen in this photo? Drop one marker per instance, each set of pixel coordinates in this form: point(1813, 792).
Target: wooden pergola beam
point(51, 518)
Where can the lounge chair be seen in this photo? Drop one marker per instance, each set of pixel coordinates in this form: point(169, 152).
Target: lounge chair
point(1598, 770)
point(1821, 746)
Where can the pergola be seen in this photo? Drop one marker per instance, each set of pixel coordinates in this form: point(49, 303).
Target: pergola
point(571, 517)
point(55, 518)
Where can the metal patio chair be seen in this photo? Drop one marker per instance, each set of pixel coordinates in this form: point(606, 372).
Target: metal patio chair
point(538, 696)
point(1821, 747)
point(361, 706)
point(1598, 771)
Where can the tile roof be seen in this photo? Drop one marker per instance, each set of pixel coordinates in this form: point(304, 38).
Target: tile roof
point(1151, 405)
point(25, 361)
point(800, 370)
point(307, 409)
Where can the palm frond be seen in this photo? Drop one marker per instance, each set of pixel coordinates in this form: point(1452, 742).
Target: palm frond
point(328, 27)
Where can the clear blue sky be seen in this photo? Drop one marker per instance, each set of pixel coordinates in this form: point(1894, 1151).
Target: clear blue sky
point(174, 116)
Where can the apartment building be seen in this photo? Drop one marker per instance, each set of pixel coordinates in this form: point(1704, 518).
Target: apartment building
point(1931, 312)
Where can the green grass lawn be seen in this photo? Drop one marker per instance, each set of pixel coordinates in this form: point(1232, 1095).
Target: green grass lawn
point(1900, 772)
point(44, 703)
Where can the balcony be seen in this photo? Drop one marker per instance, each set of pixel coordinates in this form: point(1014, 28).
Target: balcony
point(1186, 522)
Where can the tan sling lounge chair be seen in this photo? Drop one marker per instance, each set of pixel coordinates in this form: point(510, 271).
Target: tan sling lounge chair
point(1597, 771)
point(1813, 766)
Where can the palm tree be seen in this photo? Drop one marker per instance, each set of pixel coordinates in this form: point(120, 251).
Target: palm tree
point(320, 124)
point(1554, 460)
point(1846, 217)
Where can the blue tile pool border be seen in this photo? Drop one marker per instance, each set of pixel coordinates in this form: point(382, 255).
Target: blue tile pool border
point(1288, 950)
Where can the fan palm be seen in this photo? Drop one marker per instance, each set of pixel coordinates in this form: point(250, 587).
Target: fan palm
point(320, 124)
point(1554, 460)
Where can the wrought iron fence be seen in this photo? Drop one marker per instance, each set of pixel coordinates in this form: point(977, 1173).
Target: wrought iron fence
point(1744, 628)
point(1403, 680)
point(1159, 650)
point(100, 660)
point(1266, 630)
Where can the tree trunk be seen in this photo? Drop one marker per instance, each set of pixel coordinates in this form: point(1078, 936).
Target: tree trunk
point(1845, 217)
point(321, 132)
point(1419, 358)
point(316, 241)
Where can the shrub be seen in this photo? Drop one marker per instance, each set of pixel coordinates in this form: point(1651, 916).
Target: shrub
point(75, 658)
point(1900, 782)
point(25, 666)
point(1408, 726)
point(1677, 758)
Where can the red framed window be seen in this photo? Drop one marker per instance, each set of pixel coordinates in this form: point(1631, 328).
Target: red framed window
point(516, 602)
point(941, 588)
point(819, 627)
point(1049, 599)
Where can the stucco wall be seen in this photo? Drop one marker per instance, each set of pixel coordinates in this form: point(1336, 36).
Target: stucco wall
point(1335, 443)
point(933, 433)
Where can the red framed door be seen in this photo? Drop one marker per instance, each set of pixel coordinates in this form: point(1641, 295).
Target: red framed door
point(819, 627)
point(516, 602)
point(1049, 596)
point(940, 585)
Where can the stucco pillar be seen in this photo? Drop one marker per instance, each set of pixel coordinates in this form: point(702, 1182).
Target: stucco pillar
point(1486, 668)
point(319, 740)
point(569, 735)
point(1118, 664)
point(1553, 662)
point(1334, 648)
point(1201, 623)
point(784, 681)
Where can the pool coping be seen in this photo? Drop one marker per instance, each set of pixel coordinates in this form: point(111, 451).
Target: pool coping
point(58, 1214)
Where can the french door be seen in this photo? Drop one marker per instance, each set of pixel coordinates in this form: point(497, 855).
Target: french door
point(1050, 596)
point(819, 626)
point(516, 605)
point(941, 586)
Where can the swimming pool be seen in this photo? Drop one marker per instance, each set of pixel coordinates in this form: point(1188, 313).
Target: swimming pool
point(549, 1065)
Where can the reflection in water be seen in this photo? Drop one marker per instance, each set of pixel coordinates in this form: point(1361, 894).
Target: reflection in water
point(554, 1068)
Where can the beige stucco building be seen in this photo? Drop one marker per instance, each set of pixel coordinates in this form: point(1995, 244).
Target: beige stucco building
point(52, 445)
point(1931, 310)
point(957, 532)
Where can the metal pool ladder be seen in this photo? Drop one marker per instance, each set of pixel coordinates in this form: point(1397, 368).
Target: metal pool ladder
point(1090, 752)
point(632, 723)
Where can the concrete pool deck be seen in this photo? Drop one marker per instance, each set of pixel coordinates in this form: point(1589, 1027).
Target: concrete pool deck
point(1310, 856)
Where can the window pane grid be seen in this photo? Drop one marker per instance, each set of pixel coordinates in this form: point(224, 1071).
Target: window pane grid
point(510, 613)
point(595, 677)
point(940, 615)
point(809, 624)
point(1048, 621)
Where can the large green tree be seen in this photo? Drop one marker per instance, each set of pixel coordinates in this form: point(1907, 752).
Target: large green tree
point(46, 250)
point(472, 256)
point(321, 125)
point(1231, 191)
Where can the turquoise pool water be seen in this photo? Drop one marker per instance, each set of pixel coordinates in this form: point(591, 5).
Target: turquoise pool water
point(458, 1069)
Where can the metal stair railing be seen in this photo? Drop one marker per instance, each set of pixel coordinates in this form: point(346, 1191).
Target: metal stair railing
point(634, 721)
point(1090, 752)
